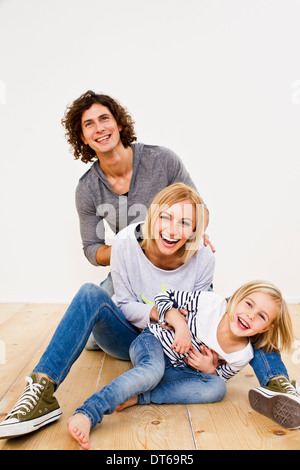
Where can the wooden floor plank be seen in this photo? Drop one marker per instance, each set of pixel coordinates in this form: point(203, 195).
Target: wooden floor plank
point(22, 335)
point(9, 310)
point(150, 427)
point(230, 424)
point(140, 427)
point(80, 383)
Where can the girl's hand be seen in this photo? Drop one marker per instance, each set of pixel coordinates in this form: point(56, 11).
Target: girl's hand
point(184, 312)
point(205, 360)
point(182, 340)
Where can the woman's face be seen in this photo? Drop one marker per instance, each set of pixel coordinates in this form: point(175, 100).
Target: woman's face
point(174, 226)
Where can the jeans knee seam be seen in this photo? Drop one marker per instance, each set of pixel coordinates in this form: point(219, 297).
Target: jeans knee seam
point(91, 323)
point(127, 325)
point(146, 347)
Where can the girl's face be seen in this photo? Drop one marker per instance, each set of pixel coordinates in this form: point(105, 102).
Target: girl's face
point(254, 314)
point(174, 226)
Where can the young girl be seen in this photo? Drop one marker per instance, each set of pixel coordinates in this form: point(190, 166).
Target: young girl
point(214, 338)
point(161, 265)
point(256, 313)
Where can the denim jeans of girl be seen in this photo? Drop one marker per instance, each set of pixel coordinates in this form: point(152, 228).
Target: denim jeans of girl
point(93, 310)
point(182, 385)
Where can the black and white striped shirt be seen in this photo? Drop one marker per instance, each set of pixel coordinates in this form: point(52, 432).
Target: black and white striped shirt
point(205, 311)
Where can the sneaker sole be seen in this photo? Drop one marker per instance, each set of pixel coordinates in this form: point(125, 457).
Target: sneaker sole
point(24, 427)
point(282, 409)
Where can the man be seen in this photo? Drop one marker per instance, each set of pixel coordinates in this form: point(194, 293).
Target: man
point(124, 178)
point(122, 181)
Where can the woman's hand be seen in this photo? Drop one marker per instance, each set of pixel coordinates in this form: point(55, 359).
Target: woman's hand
point(154, 316)
point(205, 360)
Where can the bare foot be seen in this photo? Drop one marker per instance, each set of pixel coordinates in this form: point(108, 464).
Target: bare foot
point(131, 402)
point(79, 427)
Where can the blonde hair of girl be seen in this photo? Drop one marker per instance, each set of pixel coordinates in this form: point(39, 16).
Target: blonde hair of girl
point(166, 198)
point(281, 335)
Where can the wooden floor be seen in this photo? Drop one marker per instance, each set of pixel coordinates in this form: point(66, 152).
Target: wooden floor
point(25, 331)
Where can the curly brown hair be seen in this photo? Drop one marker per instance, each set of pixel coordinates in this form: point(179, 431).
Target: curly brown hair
point(72, 123)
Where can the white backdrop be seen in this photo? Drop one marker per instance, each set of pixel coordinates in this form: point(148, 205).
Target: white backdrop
point(217, 81)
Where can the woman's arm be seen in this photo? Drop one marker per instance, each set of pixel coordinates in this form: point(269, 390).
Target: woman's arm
point(177, 299)
point(136, 312)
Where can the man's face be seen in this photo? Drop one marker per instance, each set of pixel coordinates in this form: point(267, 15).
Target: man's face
point(100, 129)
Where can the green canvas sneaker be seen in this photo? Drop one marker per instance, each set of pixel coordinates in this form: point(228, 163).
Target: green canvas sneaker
point(36, 407)
point(279, 401)
point(296, 385)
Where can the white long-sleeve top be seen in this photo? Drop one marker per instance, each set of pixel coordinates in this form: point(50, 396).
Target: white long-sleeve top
point(206, 310)
point(137, 281)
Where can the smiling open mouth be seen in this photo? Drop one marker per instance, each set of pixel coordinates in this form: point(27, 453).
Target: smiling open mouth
point(242, 324)
point(102, 139)
point(169, 242)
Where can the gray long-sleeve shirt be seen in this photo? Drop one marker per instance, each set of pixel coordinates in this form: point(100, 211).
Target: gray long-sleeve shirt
point(154, 168)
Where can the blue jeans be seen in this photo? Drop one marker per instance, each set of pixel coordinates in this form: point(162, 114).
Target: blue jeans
point(267, 365)
point(149, 379)
point(93, 310)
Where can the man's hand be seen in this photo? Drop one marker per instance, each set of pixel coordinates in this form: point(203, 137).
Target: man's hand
point(103, 255)
point(207, 242)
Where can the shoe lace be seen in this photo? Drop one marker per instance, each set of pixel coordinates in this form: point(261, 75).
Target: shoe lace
point(288, 387)
point(28, 399)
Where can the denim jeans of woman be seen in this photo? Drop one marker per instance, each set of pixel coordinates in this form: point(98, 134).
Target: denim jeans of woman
point(152, 368)
point(92, 309)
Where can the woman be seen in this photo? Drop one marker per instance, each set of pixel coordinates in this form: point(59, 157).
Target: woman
point(165, 252)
